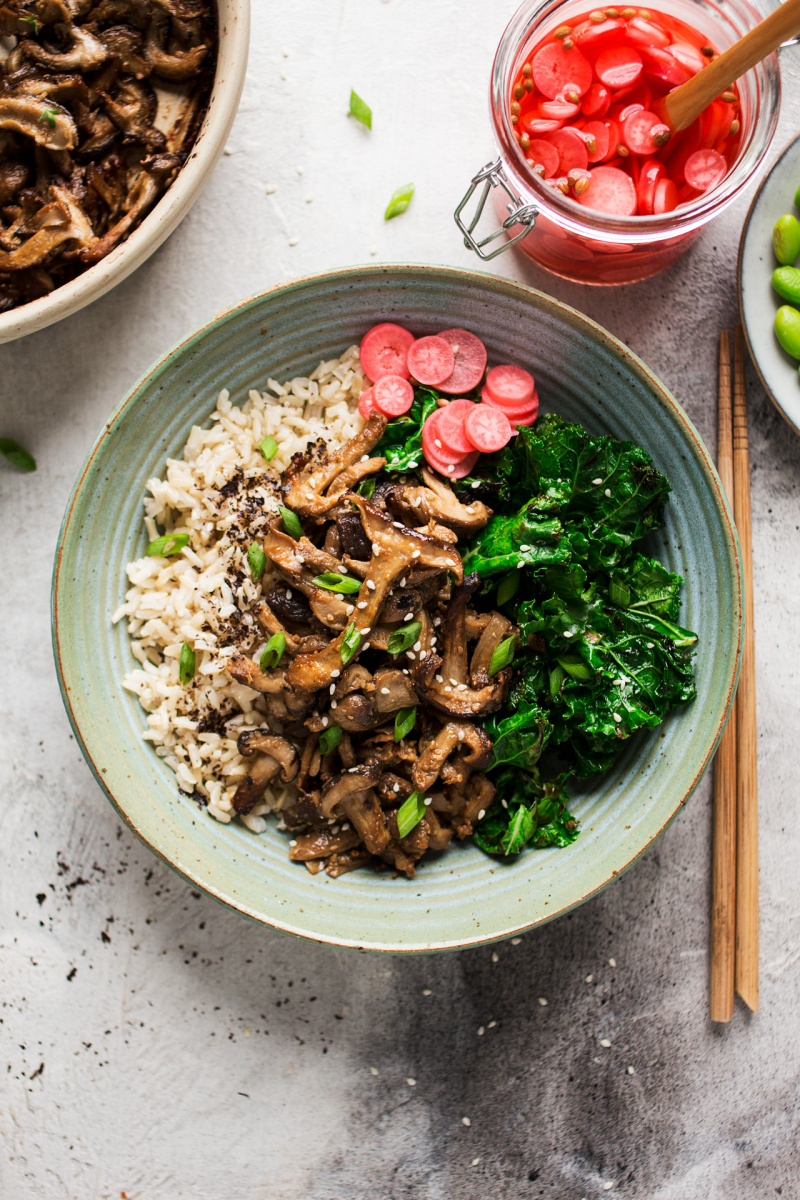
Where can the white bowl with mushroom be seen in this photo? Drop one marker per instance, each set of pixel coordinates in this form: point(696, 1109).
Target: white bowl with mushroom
point(151, 106)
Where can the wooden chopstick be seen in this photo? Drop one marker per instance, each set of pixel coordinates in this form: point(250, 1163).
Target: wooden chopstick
point(723, 886)
point(746, 977)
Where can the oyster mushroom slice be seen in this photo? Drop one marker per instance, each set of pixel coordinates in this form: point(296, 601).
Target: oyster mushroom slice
point(305, 481)
point(349, 783)
point(175, 67)
point(275, 756)
point(426, 769)
point(394, 551)
point(437, 502)
point(85, 54)
point(62, 221)
point(44, 120)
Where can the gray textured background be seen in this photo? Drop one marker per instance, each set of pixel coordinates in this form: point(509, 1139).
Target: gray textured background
point(159, 1046)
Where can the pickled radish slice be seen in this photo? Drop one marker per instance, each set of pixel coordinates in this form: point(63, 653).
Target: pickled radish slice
point(392, 395)
point(704, 169)
point(597, 101)
point(523, 414)
point(365, 403)
point(666, 197)
point(688, 56)
point(662, 66)
point(433, 443)
point(511, 385)
point(384, 351)
point(556, 70)
point(610, 191)
point(643, 132)
point(539, 126)
point(618, 66)
point(460, 469)
point(469, 351)
point(613, 138)
point(540, 151)
point(450, 425)
point(488, 428)
point(646, 33)
point(601, 133)
point(594, 35)
point(571, 148)
point(650, 173)
point(559, 110)
point(430, 360)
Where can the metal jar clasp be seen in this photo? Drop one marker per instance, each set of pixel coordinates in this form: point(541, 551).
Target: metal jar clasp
point(520, 213)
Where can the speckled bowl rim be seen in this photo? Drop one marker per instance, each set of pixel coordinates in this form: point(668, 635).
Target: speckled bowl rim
point(574, 318)
point(739, 289)
point(164, 218)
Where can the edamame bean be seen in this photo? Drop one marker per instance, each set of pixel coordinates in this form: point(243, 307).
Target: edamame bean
point(786, 239)
point(787, 329)
point(786, 282)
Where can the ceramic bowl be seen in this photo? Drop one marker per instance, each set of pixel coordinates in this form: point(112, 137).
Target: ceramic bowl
point(234, 38)
point(758, 302)
point(463, 898)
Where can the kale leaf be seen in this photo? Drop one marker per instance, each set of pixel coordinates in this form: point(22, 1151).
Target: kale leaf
point(401, 444)
point(534, 813)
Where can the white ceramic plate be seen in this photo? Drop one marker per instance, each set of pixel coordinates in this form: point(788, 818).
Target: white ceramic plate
point(758, 303)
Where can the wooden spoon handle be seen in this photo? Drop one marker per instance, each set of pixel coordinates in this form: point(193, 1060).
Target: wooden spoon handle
point(685, 103)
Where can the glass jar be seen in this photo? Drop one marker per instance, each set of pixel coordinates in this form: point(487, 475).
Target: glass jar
point(577, 242)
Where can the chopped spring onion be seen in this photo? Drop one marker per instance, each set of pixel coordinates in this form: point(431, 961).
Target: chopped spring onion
point(291, 522)
point(401, 639)
point(34, 24)
point(360, 109)
point(410, 814)
point(509, 586)
point(337, 583)
point(503, 655)
point(170, 543)
point(576, 668)
point(273, 652)
point(16, 455)
point(399, 202)
point(404, 722)
point(186, 664)
point(350, 643)
point(366, 488)
point(329, 739)
point(256, 560)
point(269, 448)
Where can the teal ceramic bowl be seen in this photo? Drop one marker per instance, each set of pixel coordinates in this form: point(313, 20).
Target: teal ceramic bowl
point(464, 898)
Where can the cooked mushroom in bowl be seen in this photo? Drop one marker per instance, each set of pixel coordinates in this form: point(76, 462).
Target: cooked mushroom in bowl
point(100, 106)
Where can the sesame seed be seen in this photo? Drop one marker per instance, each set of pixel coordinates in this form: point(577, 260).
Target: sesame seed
point(466, 1121)
point(569, 633)
point(612, 962)
point(365, 646)
point(617, 718)
point(415, 554)
point(403, 582)
point(495, 957)
point(475, 483)
point(365, 458)
point(411, 1082)
point(335, 673)
point(543, 1002)
point(332, 688)
point(608, 492)
point(475, 1162)
point(366, 630)
point(288, 593)
point(589, 978)
point(371, 585)
point(597, 482)
point(427, 992)
point(447, 687)
point(398, 524)
point(428, 801)
point(631, 1071)
point(293, 842)
point(405, 670)
point(408, 616)
point(524, 548)
point(607, 1186)
point(373, 1070)
point(462, 687)
point(605, 1042)
point(334, 703)
point(348, 608)
point(325, 722)
point(410, 654)
point(504, 803)
point(422, 654)
point(439, 678)
point(417, 645)
point(450, 468)
point(384, 691)
point(335, 829)
point(481, 814)
point(453, 681)
point(481, 1031)
point(361, 604)
point(515, 941)
point(436, 442)
point(649, 645)
point(491, 1025)
point(396, 787)
point(520, 564)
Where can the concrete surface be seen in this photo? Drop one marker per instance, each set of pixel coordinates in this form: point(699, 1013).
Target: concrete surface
point(157, 1046)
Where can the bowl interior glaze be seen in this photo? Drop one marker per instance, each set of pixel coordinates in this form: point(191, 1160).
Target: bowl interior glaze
point(462, 897)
